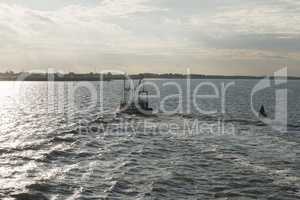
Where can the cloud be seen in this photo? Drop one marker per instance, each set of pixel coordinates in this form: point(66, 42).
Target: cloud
point(264, 20)
point(148, 33)
point(70, 25)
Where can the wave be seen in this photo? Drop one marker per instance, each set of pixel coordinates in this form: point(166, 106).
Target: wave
point(232, 119)
point(29, 196)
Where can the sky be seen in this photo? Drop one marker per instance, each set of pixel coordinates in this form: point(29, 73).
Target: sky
point(225, 37)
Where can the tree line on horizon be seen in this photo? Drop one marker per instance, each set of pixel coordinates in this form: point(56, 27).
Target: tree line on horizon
point(71, 76)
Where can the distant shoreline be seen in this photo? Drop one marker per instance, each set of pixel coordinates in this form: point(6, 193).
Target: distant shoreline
point(72, 77)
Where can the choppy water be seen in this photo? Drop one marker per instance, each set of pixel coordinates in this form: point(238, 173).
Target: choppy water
point(54, 149)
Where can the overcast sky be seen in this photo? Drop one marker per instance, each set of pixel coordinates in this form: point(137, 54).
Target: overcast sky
point(228, 37)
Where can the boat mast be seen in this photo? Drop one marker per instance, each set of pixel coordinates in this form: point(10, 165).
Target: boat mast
point(124, 85)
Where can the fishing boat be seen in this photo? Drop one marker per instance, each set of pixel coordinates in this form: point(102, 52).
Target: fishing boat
point(135, 98)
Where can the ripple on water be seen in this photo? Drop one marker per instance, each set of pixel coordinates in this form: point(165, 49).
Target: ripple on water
point(50, 157)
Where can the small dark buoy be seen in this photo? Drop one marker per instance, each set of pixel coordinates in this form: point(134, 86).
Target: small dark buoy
point(262, 112)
